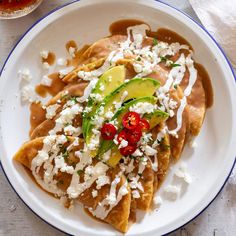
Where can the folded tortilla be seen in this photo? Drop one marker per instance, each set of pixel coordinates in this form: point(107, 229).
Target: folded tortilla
point(118, 216)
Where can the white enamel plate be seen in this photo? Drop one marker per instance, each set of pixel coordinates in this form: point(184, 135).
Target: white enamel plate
point(86, 21)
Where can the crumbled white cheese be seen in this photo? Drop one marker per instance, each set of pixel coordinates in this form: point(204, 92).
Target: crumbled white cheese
point(115, 140)
point(51, 111)
point(66, 117)
point(72, 51)
point(87, 109)
point(46, 65)
point(135, 194)
point(66, 71)
point(94, 142)
point(94, 193)
point(171, 113)
point(62, 165)
point(46, 81)
point(86, 75)
point(143, 107)
point(182, 173)
point(61, 62)
point(146, 138)
point(97, 120)
point(138, 68)
point(123, 190)
point(102, 87)
point(109, 115)
point(87, 92)
point(123, 144)
point(135, 184)
point(44, 54)
point(102, 180)
point(130, 167)
point(95, 131)
point(137, 153)
point(149, 151)
point(172, 104)
point(28, 94)
point(97, 97)
point(24, 75)
point(172, 192)
point(106, 156)
point(72, 131)
point(192, 144)
point(43, 155)
point(118, 104)
point(68, 114)
point(61, 139)
point(160, 136)
point(157, 201)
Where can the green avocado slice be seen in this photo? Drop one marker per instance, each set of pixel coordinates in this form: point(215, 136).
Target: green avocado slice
point(156, 117)
point(135, 88)
point(109, 81)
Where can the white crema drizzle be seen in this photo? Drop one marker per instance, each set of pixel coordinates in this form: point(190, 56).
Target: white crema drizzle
point(187, 92)
point(45, 161)
point(102, 209)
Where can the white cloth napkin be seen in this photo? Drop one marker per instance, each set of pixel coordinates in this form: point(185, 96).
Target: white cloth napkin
point(219, 18)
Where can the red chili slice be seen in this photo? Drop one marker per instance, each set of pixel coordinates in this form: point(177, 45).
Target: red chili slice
point(131, 120)
point(133, 136)
point(144, 125)
point(128, 150)
point(108, 131)
point(122, 135)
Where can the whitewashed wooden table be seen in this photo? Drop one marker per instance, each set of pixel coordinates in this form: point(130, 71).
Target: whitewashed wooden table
point(16, 219)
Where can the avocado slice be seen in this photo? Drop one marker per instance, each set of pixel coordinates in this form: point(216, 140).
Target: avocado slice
point(107, 144)
point(156, 117)
point(135, 88)
point(115, 156)
point(109, 81)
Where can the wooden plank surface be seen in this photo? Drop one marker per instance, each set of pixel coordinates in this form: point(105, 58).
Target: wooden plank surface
point(16, 219)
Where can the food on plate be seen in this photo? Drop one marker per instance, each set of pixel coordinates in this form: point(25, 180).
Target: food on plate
point(119, 112)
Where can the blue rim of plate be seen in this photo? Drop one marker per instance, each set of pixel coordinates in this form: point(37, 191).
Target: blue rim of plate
point(166, 4)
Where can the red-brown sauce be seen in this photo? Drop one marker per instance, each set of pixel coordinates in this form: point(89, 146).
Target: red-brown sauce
point(15, 4)
point(72, 44)
point(56, 87)
point(206, 81)
point(120, 27)
point(37, 115)
point(50, 59)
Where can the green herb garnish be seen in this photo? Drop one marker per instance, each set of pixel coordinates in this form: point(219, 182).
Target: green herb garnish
point(155, 42)
point(79, 172)
point(163, 59)
point(65, 154)
point(174, 65)
point(74, 99)
point(141, 159)
point(165, 147)
point(65, 97)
